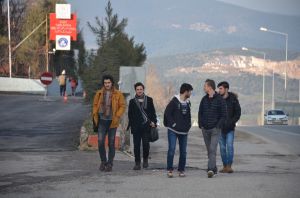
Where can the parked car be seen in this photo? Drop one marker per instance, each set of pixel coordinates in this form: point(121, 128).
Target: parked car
point(276, 116)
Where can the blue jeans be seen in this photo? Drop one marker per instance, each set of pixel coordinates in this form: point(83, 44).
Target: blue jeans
point(172, 137)
point(226, 147)
point(104, 129)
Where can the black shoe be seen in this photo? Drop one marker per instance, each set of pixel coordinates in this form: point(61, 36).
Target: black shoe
point(108, 168)
point(102, 167)
point(145, 163)
point(137, 166)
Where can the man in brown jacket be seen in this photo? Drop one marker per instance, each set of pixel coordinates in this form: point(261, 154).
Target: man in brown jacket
point(108, 107)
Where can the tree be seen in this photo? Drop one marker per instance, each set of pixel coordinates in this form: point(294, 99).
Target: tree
point(17, 12)
point(115, 49)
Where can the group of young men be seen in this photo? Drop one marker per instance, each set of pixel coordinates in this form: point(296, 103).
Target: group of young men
point(217, 116)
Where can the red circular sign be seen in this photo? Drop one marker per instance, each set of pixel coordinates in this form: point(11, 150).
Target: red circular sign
point(46, 78)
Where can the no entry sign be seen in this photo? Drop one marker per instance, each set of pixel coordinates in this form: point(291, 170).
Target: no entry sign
point(46, 78)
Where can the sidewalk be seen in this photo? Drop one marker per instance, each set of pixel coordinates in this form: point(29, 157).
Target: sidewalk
point(261, 170)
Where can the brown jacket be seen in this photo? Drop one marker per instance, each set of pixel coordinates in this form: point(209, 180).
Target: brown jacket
point(118, 106)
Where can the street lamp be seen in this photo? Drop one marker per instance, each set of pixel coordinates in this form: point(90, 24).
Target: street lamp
point(263, 90)
point(286, 50)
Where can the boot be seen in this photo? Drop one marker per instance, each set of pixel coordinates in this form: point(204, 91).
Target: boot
point(137, 166)
point(145, 163)
point(229, 169)
point(224, 169)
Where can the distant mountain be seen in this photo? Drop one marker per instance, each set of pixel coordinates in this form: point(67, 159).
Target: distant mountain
point(242, 71)
point(176, 26)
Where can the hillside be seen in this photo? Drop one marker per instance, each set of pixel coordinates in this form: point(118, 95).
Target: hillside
point(244, 73)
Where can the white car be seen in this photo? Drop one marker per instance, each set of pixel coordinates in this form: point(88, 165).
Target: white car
point(276, 116)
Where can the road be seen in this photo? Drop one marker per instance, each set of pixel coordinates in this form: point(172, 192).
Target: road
point(287, 137)
point(38, 158)
point(29, 123)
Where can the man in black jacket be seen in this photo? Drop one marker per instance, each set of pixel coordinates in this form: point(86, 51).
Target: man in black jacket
point(211, 116)
point(227, 134)
point(177, 118)
point(142, 116)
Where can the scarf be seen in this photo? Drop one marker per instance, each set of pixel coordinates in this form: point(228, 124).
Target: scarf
point(106, 103)
point(141, 102)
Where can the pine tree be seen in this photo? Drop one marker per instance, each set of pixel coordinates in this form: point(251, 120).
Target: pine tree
point(115, 49)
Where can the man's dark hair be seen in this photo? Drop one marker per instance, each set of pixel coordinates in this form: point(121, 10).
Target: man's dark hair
point(185, 87)
point(108, 77)
point(138, 84)
point(211, 83)
point(224, 84)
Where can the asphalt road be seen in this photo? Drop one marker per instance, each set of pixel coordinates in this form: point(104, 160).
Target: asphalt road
point(287, 137)
point(38, 158)
point(29, 123)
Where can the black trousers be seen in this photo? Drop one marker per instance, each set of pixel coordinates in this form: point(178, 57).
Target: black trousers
point(141, 134)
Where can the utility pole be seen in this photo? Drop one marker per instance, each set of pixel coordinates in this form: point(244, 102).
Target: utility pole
point(9, 40)
point(47, 44)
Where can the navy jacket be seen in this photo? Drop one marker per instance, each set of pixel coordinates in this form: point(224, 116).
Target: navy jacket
point(178, 117)
point(212, 112)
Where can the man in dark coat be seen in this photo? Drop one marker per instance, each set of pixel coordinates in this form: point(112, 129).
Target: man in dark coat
point(142, 116)
point(227, 134)
point(177, 118)
point(211, 117)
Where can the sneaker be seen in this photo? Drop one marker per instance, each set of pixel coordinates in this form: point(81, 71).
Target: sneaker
point(210, 174)
point(102, 167)
point(170, 174)
point(108, 168)
point(137, 166)
point(181, 174)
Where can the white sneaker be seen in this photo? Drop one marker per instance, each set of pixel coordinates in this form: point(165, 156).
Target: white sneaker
point(170, 174)
point(210, 174)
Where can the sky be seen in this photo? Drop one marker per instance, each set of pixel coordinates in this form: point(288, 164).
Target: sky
point(87, 10)
point(285, 7)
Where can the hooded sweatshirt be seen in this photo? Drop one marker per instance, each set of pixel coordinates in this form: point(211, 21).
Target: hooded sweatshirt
point(177, 116)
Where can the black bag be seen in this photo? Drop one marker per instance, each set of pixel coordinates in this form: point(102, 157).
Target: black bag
point(153, 136)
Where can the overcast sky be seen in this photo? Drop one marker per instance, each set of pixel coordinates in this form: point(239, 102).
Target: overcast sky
point(287, 7)
point(87, 10)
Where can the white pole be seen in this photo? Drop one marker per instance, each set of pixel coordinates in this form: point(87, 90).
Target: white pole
point(285, 73)
point(47, 44)
point(273, 89)
point(299, 90)
point(9, 40)
point(263, 94)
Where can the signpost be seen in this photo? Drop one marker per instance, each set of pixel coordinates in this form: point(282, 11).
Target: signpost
point(46, 78)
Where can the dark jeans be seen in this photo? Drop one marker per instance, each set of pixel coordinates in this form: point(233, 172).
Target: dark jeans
point(62, 89)
point(102, 132)
point(211, 139)
point(141, 134)
point(172, 137)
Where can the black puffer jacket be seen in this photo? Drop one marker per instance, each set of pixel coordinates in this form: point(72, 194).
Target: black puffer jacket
point(233, 112)
point(212, 112)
